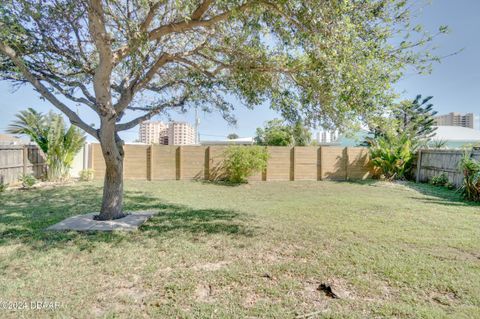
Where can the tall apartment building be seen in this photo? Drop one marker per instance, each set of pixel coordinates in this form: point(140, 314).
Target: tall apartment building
point(181, 133)
point(152, 132)
point(327, 137)
point(173, 133)
point(456, 119)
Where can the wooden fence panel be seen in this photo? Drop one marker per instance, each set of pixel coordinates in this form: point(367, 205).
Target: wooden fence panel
point(358, 163)
point(306, 163)
point(164, 162)
point(193, 162)
point(97, 161)
point(432, 163)
point(215, 164)
point(16, 160)
point(333, 163)
point(279, 163)
point(135, 162)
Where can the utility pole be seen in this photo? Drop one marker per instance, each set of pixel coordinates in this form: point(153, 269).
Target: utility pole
point(197, 124)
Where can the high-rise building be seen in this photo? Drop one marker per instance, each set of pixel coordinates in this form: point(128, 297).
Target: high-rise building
point(173, 133)
point(324, 137)
point(181, 133)
point(152, 132)
point(456, 119)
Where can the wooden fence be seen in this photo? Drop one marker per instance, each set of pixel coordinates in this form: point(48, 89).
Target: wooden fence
point(16, 160)
point(432, 163)
point(160, 162)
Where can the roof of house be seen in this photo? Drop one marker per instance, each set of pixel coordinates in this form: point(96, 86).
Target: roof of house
point(6, 139)
point(235, 141)
point(456, 133)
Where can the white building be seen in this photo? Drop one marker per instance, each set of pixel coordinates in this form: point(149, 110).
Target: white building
point(173, 133)
point(456, 119)
point(152, 132)
point(327, 137)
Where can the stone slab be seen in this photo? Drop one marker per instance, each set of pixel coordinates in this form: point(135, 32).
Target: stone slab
point(86, 223)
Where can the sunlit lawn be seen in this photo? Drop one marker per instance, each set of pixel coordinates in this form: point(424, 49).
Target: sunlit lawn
point(256, 250)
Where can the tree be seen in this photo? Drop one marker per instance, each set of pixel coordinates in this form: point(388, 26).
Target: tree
point(279, 133)
point(413, 118)
point(275, 133)
point(232, 136)
point(59, 143)
point(417, 117)
point(322, 61)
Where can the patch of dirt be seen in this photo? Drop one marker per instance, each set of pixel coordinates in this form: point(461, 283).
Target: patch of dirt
point(211, 266)
point(204, 293)
point(446, 298)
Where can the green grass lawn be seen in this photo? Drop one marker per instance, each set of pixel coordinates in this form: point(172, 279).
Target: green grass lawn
point(256, 250)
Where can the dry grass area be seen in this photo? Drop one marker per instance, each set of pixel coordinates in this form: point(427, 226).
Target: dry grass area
point(256, 250)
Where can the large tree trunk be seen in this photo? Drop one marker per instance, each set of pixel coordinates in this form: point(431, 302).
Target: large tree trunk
point(112, 149)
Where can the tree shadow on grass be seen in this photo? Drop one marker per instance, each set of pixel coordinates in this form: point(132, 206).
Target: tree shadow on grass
point(24, 216)
point(439, 195)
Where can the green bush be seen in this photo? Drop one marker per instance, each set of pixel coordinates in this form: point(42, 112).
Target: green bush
point(28, 180)
point(3, 186)
point(471, 178)
point(86, 175)
point(393, 155)
point(242, 162)
point(439, 180)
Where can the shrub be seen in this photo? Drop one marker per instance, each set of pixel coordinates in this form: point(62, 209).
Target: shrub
point(3, 186)
point(471, 178)
point(243, 161)
point(439, 180)
point(28, 180)
point(86, 175)
point(393, 154)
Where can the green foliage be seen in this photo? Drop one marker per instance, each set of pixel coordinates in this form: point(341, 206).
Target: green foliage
point(243, 161)
point(471, 177)
point(329, 62)
point(393, 155)
point(33, 124)
point(232, 136)
point(437, 144)
point(28, 180)
point(280, 133)
point(59, 143)
point(86, 175)
point(3, 186)
point(415, 118)
point(440, 180)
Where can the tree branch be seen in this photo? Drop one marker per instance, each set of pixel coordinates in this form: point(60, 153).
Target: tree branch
point(101, 79)
point(151, 112)
point(72, 116)
point(201, 9)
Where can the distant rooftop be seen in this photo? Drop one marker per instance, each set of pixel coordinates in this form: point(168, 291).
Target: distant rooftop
point(456, 133)
point(236, 141)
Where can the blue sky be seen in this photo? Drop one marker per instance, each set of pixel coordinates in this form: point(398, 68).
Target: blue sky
point(454, 83)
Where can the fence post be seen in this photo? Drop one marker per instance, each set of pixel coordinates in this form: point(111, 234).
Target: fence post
point(319, 164)
point(292, 163)
point(178, 158)
point(150, 163)
point(25, 159)
point(419, 165)
point(206, 167)
point(347, 163)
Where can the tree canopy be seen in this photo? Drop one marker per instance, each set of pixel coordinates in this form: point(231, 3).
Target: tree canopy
point(279, 133)
point(330, 62)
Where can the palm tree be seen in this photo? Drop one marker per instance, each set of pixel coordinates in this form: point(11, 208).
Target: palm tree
point(59, 143)
point(33, 124)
